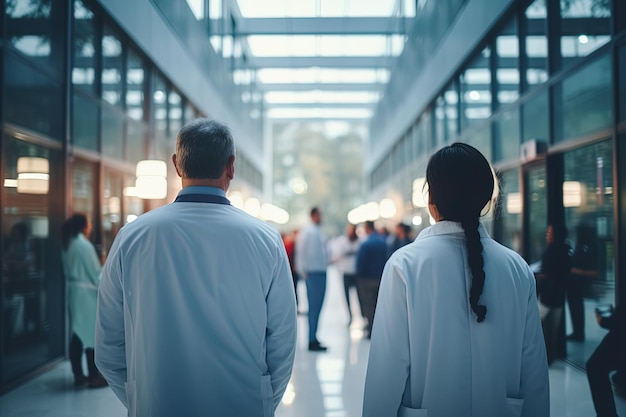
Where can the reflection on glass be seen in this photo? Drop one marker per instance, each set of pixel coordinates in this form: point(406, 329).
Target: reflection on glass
point(536, 118)
point(586, 101)
point(536, 207)
point(536, 43)
point(85, 122)
point(83, 39)
point(585, 26)
point(112, 133)
point(511, 209)
point(33, 31)
point(589, 218)
point(135, 86)
point(507, 131)
point(159, 106)
point(111, 211)
point(507, 63)
point(447, 115)
point(83, 178)
point(175, 114)
point(622, 83)
point(31, 280)
point(112, 67)
point(475, 84)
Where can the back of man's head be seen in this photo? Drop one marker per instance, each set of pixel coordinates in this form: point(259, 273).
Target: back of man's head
point(369, 227)
point(203, 149)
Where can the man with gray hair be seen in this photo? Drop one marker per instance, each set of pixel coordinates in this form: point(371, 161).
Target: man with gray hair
point(196, 309)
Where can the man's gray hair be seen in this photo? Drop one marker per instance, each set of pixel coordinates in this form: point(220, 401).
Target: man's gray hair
point(203, 149)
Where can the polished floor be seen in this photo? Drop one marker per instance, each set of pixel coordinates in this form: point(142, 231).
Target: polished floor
point(326, 384)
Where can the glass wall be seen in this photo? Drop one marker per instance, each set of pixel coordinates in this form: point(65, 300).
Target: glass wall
point(535, 44)
point(475, 84)
point(511, 210)
point(33, 309)
point(588, 201)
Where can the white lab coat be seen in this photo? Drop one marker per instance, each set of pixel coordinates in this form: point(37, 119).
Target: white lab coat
point(82, 273)
point(196, 313)
point(428, 355)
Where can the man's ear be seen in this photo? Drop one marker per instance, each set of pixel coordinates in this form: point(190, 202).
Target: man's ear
point(230, 168)
point(176, 165)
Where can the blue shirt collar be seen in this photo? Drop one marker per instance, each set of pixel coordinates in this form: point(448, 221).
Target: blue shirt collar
point(201, 189)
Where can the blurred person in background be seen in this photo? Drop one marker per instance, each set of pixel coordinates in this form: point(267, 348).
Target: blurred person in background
point(82, 268)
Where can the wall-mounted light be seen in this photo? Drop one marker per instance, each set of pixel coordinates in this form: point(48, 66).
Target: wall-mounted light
point(572, 194)
point(514, 203)
point(387, 208)
point(33, 175)
point(151, 182)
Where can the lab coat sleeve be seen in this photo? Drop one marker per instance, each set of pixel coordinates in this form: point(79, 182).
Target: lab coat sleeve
point(534, 385)
point(92, 265)
point(110, 349)
point(389, 358)
point(281, 326)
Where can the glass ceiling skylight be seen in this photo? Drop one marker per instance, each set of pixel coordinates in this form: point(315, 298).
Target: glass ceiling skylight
point(326, 45)
point(322, 75)
point(290, 59)
point(323, 8)
point(316, 96)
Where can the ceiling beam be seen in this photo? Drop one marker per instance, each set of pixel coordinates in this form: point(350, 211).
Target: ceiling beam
point(316, 26)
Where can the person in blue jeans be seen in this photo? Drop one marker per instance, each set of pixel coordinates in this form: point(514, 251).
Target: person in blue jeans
point(311, 263)
point(370, 262)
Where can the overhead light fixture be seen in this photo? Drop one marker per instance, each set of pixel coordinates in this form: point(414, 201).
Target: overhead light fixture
point(151, 182)
point(33, 175)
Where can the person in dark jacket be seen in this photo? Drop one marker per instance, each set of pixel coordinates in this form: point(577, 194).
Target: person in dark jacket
point(609, 356)
point(555, 268)
point(370, 262)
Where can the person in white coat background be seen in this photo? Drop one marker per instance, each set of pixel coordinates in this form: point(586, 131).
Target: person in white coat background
point(82, 269)
point(196, 308)
point(457, 329)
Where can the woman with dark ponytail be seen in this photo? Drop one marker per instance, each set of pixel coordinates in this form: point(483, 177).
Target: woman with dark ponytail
point(457, 329)
point(82, 272)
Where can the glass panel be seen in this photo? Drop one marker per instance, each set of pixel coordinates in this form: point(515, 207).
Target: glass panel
point(536, 205)
point(476, 91)
point(175, 114)
point(507, 141)
point(32, 279)
point(507, 64)
point(622, 83)
point(446, 115)
point(133, 206)
point(135, 141)
point(84, 50)
point(535, 116)
point(112, 67)
point(84, 188)
point(159, 106)
point(585, 27)
point(111, 211)
point(481, 140)
point(588, 200)
point(135, 86)
point(190, 113)
point(586, 101)
point(34, 28)
point(112, 133)
point(536, 43)
point(32, 99)
point(85, 122)
point(511, 210)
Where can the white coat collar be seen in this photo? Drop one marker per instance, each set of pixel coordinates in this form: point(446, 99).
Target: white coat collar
point(446, 227)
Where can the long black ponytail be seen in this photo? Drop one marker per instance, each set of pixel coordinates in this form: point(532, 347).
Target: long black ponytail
point(460, 184)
